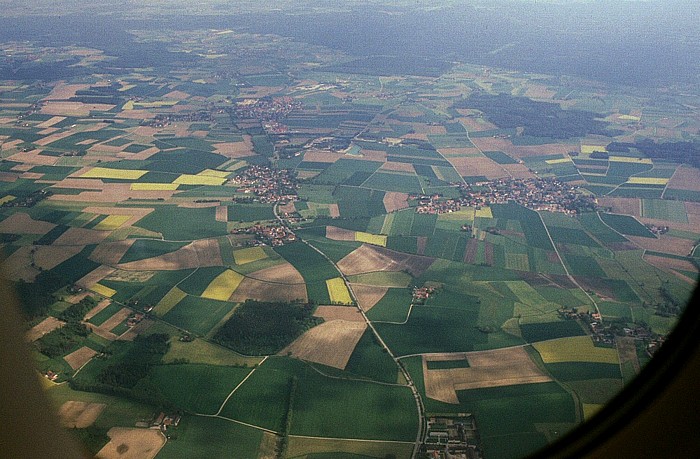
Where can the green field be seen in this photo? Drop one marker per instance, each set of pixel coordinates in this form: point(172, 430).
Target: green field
point(149, 248)
point(625, 224)
point(370, 360)
point(204, 438)
point(182, 385)
point(672, 211)
point(393, 307)
point(198, 315)
point(183, 224)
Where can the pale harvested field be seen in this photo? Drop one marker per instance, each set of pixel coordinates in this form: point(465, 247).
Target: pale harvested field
point(664, 243)
point(65, 91)
point(399, 167)
point(330, 343)
point(521, 171)
point(132, 443)
point(179, 95)
point(31, 175)
point(141, 156)
point(45, 326)
point(322, 156)
point(495, 368)
point(73, 108)
point(283, 273)
point(80, 357)
point(627, 206)
point(54, 137)
point(538, 150)
point(81, 236)
point(221, 214)
point(112, 192)
point(669, 263)
point(94, 276)
point(116, 319)
point(685, 178)
point(254, 289)
point(465, 152)
point(257, 92)
point(50, 122)
point(202, 253)
point(235, 149)
point(77, 298)
point(627, 350)
point(339, 234)
point(33, 157)
point(476, 124)
point(109, 253)
point(478, 166)
point(136, 115)
point(100, 306)
point(368, 258)
point(329, 313)
point(136, 330)
point(333, 210)
point(368, 295)
point(539, 91)
point(121, 275)
point(21, 223)
point(374, 155)
point(268, 446)
point(18, 264)
point(11, 144)
point(693, 211)
point(394, 201)
point(491, 143)
point(75, 414)
point(288, 208)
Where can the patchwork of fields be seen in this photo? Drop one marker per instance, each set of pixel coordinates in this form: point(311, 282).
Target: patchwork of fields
point(276, 281)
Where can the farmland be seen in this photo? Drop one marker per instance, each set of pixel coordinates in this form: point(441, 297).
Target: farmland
point(243, 228)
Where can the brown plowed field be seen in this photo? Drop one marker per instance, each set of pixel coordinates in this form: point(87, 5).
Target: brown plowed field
point(200, 253)
point(627, 206)
point(368, 258)
point(394, 201)
point(478, 166)
point(132, 443)
point(495, 368)
point(75, 414)
point(254, 289)
point(329, 313)
point(339, 234)
point(685, 178)
point(221, 214)
point(94, 276)
point(283, 273)
point(81, 236)
point(330, 343)
point(45, 326)
point(80, 357)
point(21, 223)
point(368, 295)
point(109, 253)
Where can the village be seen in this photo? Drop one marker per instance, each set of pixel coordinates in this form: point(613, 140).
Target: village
point(269, 185)
point(452, 437)
point(537, 194)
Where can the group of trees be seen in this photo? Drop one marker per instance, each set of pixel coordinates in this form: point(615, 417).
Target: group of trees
point(265, 327)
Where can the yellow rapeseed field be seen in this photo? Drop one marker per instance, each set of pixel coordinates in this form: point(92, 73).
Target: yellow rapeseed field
point(575, 349)
point(375, 239)
point(189, 179)
point(112, 222)
point(154, 186)
point(223, 286)
point(558, 161)
point(102, 290)
point(483, 212)
point(628, 159)
point(249, 255)
point(173, 297)
point(648, 180)
point(106, 173)
point(338, 291)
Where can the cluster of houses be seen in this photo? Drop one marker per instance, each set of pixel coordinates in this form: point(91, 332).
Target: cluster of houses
point(163, 421)
point(606, 333)
point(534, 193)
point(267, 110)
point(274, 235)
point(269, 185)
point(164, 119)
point(657, 230)
point(537, 194)
point(452, 437)
point(421, 294)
